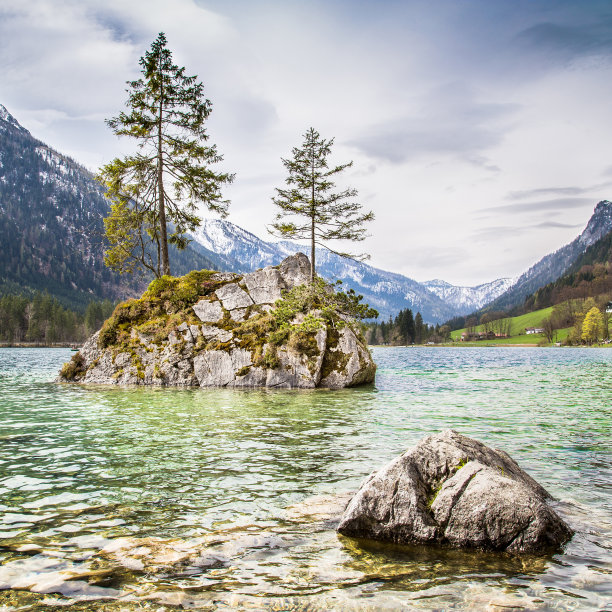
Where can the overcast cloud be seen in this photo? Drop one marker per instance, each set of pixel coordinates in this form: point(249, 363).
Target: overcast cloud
point(479, 130)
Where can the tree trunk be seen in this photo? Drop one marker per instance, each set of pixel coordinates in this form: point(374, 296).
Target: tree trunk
point(160, 187)
point(312, 228)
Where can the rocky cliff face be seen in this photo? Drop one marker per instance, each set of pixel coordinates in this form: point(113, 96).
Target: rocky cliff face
point(213, 329)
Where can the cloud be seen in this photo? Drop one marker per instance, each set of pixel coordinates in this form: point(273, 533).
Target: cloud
point(546, 191)
point(486, 234)
point(556, 224)
point(435, 259)
point(556, 191)
point(450, 108)
point(448, 120)
point(565, 42)
point(539, 206)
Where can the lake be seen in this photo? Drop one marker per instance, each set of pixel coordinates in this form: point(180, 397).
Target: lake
point(217, 499)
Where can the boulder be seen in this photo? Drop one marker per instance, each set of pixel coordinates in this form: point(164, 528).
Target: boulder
point(295, 270)
point(453, 490)
point(210, 329)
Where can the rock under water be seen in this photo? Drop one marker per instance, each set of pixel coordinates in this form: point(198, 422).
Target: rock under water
point(212, 329)
point(453, 490)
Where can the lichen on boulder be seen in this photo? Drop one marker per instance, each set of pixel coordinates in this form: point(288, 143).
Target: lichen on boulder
point(455, 491)
point(268, 328)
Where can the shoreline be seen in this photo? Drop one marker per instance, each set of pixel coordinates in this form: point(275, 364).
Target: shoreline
point(70, 345)
point(507, 345)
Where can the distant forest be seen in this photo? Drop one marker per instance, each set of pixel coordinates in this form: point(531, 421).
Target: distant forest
point(43, 320)
point(406, 329)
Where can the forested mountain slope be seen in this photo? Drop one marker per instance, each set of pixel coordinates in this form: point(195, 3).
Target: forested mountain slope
point(51, 225)
point(589, 276)
point(554, 265)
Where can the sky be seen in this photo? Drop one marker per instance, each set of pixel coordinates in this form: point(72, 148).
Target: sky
point(480, 130)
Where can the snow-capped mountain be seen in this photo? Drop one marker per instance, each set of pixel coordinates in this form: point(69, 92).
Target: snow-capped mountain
point(468, 299)
point(234, 248)
point(554, 265)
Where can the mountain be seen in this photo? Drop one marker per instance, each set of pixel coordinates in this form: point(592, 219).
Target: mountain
point(51, 225)
point(589, 276)
point(554, 265)
point(231, 246)
point(468, 299)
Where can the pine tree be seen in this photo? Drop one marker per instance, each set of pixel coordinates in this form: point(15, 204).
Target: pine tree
point(170, 174)
point(323, 214)
point(420, 329)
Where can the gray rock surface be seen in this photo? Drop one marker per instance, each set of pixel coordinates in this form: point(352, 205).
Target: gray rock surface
point(453, 490)
point(298, 370)
point(207, 311)
point(232, 297)
point(216, 353)
point(295, 270)
point(218, 368)
point(265, 286)
point(350, 361)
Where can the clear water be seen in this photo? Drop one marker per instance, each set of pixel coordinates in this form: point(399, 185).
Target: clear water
point(217, 499)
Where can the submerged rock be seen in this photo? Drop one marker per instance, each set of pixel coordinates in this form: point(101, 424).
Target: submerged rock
point(212, 329)
point(453, 490)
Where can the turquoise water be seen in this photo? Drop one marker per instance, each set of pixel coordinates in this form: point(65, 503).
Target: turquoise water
point(218, 499)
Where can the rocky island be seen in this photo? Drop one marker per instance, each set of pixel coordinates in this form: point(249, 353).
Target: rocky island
point(267, 328)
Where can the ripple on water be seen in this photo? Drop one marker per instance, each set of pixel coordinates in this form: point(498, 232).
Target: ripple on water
point(221, 499)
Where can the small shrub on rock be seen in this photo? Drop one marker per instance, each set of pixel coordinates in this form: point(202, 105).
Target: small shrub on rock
point(74, 369)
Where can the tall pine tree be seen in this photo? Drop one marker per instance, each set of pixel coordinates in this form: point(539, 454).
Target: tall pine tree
point(170, 175)
point(322, 213)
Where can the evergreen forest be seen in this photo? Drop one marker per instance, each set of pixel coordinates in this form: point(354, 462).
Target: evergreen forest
point(43, 320)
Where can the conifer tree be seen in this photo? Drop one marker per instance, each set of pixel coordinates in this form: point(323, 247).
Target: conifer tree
point(420, 329)
point(315, 211)
point(170, 175)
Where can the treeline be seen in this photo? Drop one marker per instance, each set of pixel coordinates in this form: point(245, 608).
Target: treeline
point(43, 320)
point(406, 328)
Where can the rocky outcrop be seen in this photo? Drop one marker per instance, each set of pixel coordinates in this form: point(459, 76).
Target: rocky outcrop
point(213, 329)
point(453, 490)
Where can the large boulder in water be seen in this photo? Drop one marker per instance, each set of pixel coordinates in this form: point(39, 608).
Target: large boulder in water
point(453, 490)
point(221, 329)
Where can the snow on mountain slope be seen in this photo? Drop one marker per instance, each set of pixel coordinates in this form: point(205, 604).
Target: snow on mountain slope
point(468, 299)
